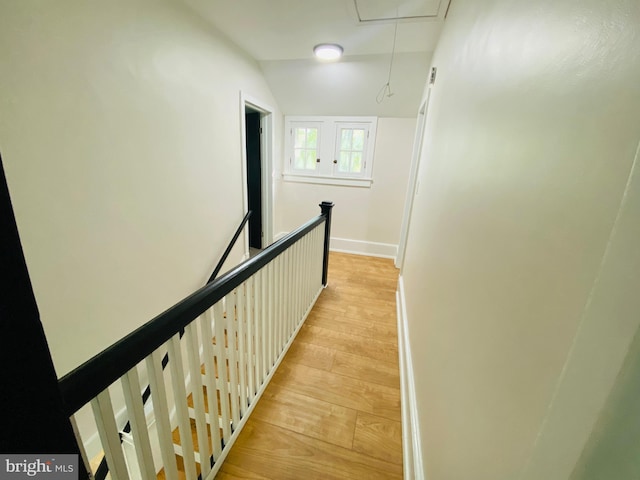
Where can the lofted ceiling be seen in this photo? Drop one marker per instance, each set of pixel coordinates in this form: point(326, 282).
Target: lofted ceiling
point(281, 34)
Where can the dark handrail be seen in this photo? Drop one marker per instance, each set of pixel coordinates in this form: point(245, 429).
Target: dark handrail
point(165, 360)
point(85, 382)
point(229, 247)
point(103, 469)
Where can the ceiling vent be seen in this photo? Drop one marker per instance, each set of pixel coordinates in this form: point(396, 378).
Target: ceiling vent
point(387, 10)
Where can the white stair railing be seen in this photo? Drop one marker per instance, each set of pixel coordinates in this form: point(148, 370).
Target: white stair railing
point(236, 331)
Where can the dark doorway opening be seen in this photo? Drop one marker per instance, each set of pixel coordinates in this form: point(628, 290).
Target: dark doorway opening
point(253, 132)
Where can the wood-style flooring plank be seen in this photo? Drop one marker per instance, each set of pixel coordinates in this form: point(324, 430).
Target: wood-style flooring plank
point(280, 454)
point(359, 312)
point(378, 437)
point(307, 415)
point(340, 390)
point(372, 348)
point(339, 324)
point(371, 313)
point(311, 355)
point(357, 366)
point(230, 471)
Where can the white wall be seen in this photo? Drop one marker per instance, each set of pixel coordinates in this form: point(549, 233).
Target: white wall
point(362, 216)
point(120, 134)
point(523, 251)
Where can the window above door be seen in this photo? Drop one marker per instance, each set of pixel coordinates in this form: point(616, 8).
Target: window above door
point(330, 150)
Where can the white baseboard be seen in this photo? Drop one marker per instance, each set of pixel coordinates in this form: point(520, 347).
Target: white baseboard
point(357, 247)
point(360, 247)
point(411, 444)
point(279, 235)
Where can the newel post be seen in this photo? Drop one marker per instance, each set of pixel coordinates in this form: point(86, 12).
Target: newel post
point(326, 207)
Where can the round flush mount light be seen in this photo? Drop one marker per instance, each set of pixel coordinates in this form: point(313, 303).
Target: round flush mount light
point(328, 51)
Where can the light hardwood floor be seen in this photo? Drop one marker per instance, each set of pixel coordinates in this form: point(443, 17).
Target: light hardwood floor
point(332, 410)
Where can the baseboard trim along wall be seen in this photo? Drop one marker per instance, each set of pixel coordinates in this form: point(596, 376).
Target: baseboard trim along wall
point(411, 445)
point(279, 235)
point(358, 247)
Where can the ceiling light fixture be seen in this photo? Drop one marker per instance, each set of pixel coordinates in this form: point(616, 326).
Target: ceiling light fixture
point(328, 51)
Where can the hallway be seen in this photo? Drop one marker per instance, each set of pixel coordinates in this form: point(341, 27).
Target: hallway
point(332, 410)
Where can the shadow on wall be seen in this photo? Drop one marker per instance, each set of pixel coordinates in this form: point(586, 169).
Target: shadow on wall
point(612, 450)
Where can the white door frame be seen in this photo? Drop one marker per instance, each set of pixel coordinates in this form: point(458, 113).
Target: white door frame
point(413, 179)
point(266, 156)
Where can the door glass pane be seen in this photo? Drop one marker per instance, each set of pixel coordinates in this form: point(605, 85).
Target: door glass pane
point(343, 163)
point(356, 162)
point(358, 139)
point(299, 158)
point(351, 151)
point(300, 137)
point(345, 141)
point(311, 160)
point(312, 137)
point(305, 147)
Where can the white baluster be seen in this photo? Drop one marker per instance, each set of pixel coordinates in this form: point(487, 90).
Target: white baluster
point(251, 372)
point(290, 292)
point(292, 288)
point(193, 355)
point(233, 357)
point(221, 358)
point(279, 303)
point(312, 264)
point(319, 254)
point(264, 316)
point(299, 260)
point(243, 364)
point(211, 382)
point(109, 435)
point(270, 316)
point(176, 367)
point(306, 257)
point(137, 420)
point(161, 413)
point(257, 326)
point(279, 310)
point(309, 267)
point(287, 294)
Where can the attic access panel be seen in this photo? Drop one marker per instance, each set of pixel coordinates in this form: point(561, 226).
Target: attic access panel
point(386, 10)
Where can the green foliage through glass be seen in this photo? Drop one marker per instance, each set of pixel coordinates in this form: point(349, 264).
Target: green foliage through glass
point(305, 148)
point(352, 142)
